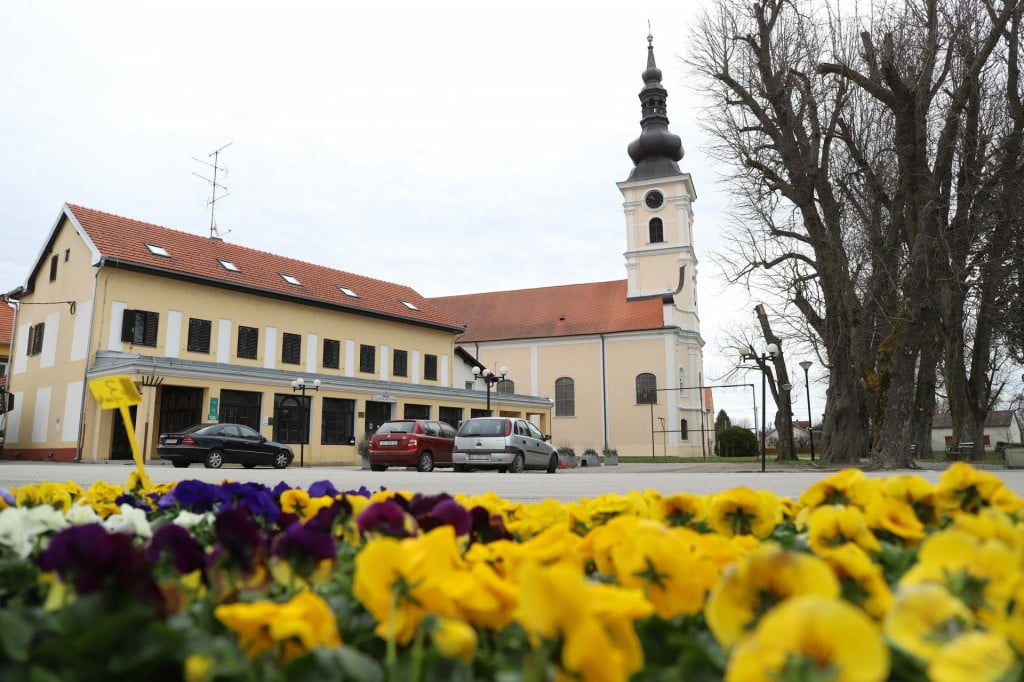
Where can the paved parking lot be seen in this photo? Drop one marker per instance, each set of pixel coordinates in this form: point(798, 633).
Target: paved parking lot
point(566, 484)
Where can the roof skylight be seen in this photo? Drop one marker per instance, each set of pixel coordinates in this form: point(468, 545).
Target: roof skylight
point(157, 250)
point(408, 305)
point(228, 265)
point(348, 292)
point(291, 280)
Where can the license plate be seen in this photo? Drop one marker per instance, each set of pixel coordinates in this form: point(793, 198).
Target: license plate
point(388, 442)
point(170, 441)
point(478, 457)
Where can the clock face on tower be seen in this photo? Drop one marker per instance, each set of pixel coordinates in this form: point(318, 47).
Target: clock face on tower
point(654, 199)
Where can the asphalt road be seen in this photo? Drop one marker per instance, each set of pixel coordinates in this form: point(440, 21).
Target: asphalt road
point(565, 485)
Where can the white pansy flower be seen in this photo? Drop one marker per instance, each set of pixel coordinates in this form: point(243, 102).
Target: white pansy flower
point(131, 520)
point(44, 519)
point(12, 531)
point(81, 514)
point(187, 519)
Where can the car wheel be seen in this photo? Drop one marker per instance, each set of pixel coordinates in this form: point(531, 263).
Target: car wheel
point(180, 465)
point(378, 467)
point(517, 465)
point(214, 459)
point(281, 459)
point(552, 464)
point(425, 463)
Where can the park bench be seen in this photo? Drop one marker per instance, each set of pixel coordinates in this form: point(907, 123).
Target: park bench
point(963, 451)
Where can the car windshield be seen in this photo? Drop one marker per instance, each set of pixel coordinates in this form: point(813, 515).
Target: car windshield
point(397, 427)
point(483, 427)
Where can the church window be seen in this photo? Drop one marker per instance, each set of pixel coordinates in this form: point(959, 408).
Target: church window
point(565, 397)
point(656, 230)
point(646, 389)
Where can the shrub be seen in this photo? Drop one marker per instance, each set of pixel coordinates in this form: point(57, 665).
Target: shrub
point(737, 441)
point(566, 451)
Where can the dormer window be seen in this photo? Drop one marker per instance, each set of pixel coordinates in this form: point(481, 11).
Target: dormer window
point(348, 292)
point(157, 250)
point(291, 280)
point(410, 306)
point(228, 265)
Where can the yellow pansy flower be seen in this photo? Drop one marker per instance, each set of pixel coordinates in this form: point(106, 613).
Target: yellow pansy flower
point(763, 578)
point(455, 639)
point(102, 496)
point(303, 624)
point(599, 543)
point(294, 628)
point(57, 495)
point(481, 596)
point(963, 488)
point(742, 511)
point(833, 525)
point(975, 657)
point(665, 565)
point(849, 486)
point(981, 573)
point(894, 519)
point(924, 617)
point(251, 622)
point(811, 634)
point(400, 581)
point(862, 580)
point(198, 668)
point(916, 491)
point(536, 518)
point(594, 621)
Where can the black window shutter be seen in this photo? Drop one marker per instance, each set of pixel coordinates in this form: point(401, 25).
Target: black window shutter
point(128, 326)
point(152, 322)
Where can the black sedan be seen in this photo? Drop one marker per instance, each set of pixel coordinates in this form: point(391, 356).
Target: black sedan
point(215, 444)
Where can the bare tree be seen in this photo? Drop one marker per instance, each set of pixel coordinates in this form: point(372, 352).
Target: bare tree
point(862, 149)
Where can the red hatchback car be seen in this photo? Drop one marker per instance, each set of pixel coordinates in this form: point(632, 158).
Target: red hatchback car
point(422, 443)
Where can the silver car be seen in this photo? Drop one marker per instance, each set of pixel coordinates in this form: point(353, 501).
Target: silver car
point(503, 443)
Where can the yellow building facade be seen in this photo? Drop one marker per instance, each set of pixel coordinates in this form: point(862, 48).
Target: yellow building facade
point(211, 331)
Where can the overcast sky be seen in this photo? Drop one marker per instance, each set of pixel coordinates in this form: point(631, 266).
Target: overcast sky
point(454, 147)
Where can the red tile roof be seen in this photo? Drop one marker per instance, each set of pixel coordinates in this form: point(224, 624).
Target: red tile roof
point(568, 310)
point(198, 256)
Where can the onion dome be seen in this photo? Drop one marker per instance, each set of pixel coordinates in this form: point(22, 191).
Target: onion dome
point(656, 151)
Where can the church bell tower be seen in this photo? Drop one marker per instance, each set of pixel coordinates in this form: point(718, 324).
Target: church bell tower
point(657, 202)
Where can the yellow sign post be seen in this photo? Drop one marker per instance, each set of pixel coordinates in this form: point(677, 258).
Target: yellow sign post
point(120, 392)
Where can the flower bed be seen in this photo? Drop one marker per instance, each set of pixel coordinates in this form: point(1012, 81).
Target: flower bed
point(858, 579)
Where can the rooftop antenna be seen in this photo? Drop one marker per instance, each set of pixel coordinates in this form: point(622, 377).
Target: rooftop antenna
point(214, 186)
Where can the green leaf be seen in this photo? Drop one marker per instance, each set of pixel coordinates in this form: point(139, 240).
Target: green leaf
point(15, 635)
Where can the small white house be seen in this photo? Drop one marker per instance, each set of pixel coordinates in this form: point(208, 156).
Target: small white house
point(1001, 426)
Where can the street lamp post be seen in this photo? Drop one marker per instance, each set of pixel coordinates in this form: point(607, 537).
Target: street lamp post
point(300, 385)
point(806, 364)
point(762, 363)
point(490, 378)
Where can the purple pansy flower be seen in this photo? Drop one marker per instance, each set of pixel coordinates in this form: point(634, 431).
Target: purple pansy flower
point(386, 517)
point(188, 554)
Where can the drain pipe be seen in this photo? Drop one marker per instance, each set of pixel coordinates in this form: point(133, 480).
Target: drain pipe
point(85, 372)
point(604, 394)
